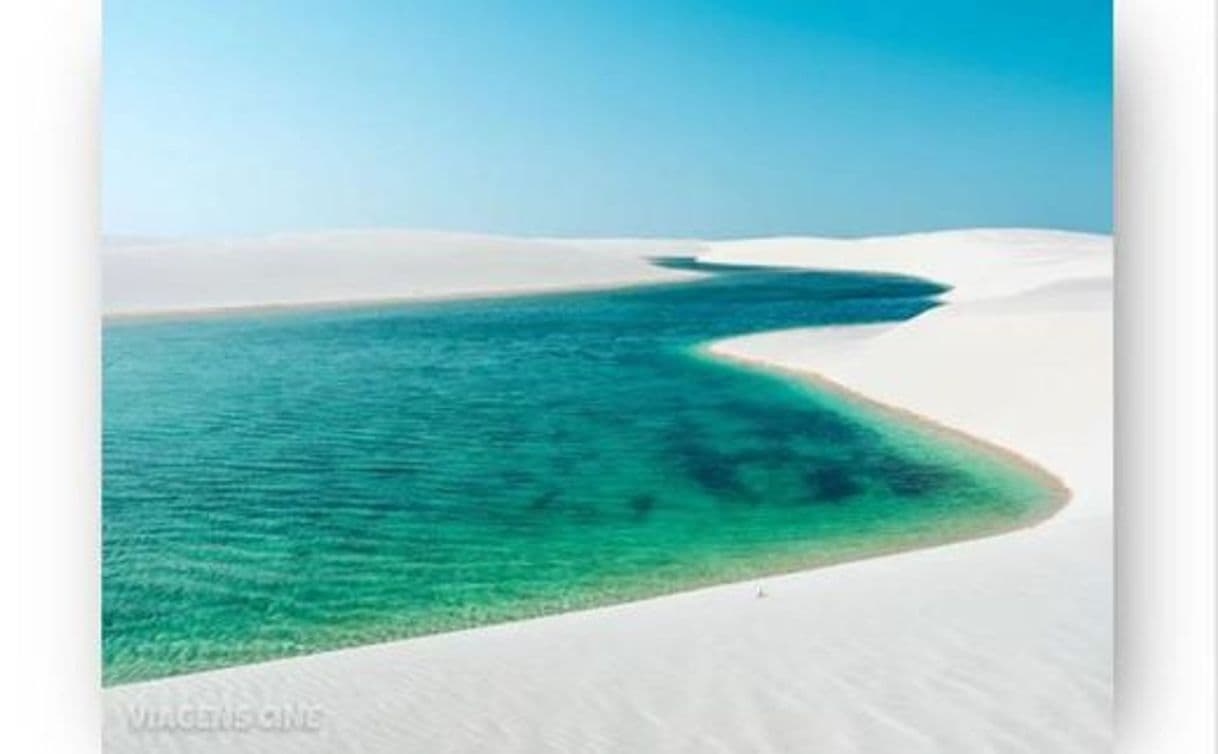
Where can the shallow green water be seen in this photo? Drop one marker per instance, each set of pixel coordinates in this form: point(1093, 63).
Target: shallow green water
point(282, 484)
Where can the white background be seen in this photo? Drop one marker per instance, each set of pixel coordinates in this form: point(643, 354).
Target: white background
point(1166, 527)
point(1165, 167)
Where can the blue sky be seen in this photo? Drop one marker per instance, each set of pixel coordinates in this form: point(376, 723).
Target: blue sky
point(710, 119)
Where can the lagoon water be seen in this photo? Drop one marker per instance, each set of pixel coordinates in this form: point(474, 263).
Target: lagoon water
point(284, 483)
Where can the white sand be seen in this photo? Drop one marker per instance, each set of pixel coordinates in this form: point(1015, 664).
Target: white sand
point(144, 276)
point(995, 645)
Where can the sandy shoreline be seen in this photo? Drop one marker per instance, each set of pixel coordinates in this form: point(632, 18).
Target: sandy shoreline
point(996, 644)
point(288, 307)
point(1059, 492)
point(346, 269)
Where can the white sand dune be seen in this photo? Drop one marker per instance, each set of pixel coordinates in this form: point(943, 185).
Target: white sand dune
point(995, 645)
point(345, 267)
point(978, 264)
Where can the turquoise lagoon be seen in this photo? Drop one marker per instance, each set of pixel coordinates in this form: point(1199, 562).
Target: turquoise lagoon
point(284, 483)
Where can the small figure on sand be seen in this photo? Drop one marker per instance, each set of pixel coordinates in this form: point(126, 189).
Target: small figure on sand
point(761, 592)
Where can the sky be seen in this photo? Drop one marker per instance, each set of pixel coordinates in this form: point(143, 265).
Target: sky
point(676, 119)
